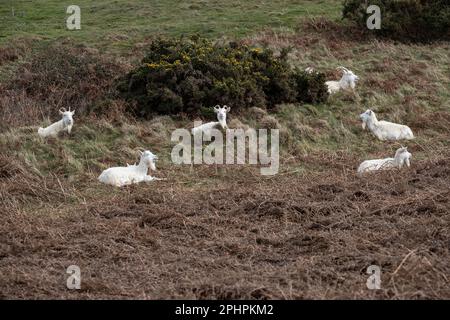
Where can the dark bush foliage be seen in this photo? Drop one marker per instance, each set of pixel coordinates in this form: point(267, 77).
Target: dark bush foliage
point(187, 76)
point(415, 20)
point(309, 86)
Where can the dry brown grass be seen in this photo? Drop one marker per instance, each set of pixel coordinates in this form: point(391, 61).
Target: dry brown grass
point(59, 76)
point(230, 235)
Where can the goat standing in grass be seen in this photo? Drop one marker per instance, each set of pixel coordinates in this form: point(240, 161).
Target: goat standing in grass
point(347, 82)
point(121, 176)
point(65, 124)
point(221, 123)
point(402, 157)
point(385, 130)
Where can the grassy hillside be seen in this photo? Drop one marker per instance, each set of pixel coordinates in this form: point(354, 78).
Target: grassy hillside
point(114, 24)
point(218, 231)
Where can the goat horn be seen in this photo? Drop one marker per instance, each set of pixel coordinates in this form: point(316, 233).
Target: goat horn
point(139, 150)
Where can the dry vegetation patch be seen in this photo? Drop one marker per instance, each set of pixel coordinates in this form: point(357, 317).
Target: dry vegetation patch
point(173, 242)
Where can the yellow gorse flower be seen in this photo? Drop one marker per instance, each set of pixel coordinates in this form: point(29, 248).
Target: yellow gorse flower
point(185, 57)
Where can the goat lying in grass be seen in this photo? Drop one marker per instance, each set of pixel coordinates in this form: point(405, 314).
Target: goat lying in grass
point(402, 157)
point(221, 123)
point(121, 176)
point(65, 124)
point(385, 130)
point(347, 82)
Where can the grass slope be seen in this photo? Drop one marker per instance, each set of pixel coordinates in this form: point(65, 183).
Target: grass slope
point(217, 231)
point(113, 24)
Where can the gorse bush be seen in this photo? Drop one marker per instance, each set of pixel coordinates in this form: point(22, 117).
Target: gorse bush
point(189, 75)
point(310, 87)
point(416, 20)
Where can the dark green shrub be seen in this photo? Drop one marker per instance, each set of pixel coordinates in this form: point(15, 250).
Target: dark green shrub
point(186, 76)
point(310, 87)
point(416, 20)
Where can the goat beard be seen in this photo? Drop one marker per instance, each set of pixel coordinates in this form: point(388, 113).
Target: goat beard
point(364, 125)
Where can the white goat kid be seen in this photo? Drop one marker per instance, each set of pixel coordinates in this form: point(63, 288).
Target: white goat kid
point(65, 124)
point(347, 82)
point(221, 123)
point(385, 130)
point(402, 157)
point(121, 176)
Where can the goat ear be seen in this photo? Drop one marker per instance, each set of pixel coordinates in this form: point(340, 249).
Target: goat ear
point(227, 108)
point(216, 108)
point(73, 112)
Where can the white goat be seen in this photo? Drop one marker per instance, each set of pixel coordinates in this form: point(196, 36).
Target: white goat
point(402, 157)
point(121, 176)
point(347, 82)
point(65, 124)
point(221, 123)
point(310, 70)
point(385, 130)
